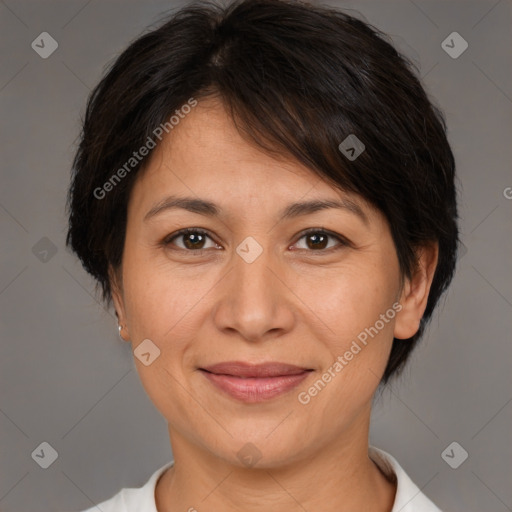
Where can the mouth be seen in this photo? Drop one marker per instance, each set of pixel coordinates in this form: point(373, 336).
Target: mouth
point(255, 383)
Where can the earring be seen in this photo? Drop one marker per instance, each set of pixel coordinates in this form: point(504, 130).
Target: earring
point(120, 337)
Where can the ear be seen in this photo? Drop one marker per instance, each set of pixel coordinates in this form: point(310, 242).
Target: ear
point(116, 287)
point(415, 292)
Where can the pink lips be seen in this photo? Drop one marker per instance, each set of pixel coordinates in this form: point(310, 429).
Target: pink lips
point(255, 383)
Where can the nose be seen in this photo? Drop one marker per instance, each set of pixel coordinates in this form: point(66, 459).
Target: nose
point(254, 299)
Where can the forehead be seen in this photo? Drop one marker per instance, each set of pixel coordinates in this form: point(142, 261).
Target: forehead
point(205, 155)
point(207, 138)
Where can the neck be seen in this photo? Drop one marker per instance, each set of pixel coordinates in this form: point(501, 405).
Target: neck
point(337, 478)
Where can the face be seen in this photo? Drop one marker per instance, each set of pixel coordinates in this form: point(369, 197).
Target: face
point(249, 284)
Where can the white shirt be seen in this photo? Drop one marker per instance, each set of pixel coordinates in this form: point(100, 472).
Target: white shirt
point(408, 497)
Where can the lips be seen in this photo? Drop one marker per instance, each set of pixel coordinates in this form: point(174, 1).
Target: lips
point(255, 383)
point(246, 370)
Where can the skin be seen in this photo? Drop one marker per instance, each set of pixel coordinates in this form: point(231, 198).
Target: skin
point(300, 302)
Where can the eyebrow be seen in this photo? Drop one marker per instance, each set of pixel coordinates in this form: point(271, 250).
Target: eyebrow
point(293, 210)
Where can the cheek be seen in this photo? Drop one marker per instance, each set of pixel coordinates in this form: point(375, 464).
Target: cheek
point(357, 306)
point(164, 302)
point(158, 307)
point(149, 296)
point(346, 302)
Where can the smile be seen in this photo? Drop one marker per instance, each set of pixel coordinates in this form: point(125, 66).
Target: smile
point(255, 383)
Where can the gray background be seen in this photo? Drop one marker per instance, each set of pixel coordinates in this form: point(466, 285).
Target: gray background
point(66, 379)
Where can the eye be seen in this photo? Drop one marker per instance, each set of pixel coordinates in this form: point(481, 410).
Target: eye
point(194, 239)
point(316, 240)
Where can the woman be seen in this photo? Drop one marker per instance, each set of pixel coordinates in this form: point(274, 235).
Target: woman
point(266, 195)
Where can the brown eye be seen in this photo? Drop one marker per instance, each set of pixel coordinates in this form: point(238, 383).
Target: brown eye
point(192, 239)
point(318, 240)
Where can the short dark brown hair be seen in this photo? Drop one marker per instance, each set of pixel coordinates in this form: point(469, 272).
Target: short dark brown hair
point(297, 80)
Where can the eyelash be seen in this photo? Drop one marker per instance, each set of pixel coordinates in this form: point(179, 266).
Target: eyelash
point(317, 231)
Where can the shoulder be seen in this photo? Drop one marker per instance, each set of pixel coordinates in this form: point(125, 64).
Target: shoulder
point(133, 499)
point(409, 497)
